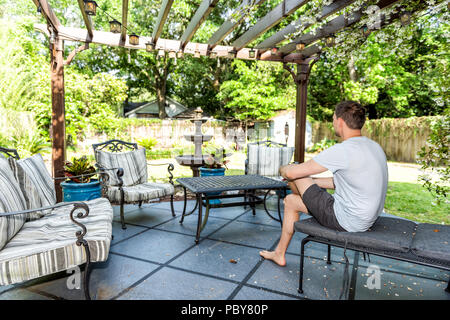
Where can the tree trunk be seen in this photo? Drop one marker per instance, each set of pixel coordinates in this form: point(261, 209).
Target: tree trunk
point(161, 98)
point(161, 85)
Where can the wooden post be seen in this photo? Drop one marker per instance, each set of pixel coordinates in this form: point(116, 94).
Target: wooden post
point(58, 112)
point(301, 80)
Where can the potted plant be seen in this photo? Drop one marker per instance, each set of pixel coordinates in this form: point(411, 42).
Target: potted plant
point(215, 165)
point(81, 186)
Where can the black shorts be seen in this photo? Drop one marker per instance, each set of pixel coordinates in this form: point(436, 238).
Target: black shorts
point(320, 205)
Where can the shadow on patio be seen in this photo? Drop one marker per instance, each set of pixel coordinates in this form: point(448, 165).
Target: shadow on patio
point(156, 258)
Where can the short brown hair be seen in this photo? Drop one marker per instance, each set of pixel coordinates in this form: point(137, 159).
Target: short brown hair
point(353, 114)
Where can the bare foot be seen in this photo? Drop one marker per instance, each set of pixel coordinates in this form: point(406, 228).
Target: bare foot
point(279, 259)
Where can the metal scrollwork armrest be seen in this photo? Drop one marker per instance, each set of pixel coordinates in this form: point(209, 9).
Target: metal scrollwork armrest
point(58, 205)
point(170, 168)
point(81, 215)
point(105, 176)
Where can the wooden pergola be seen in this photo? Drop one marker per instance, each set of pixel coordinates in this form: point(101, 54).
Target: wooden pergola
point(302, 51)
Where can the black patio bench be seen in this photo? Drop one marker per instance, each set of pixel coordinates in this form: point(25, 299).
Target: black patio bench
point(399, 239)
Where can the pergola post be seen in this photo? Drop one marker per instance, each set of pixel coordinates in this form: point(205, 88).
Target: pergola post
point(58, 112)
point(301, 81)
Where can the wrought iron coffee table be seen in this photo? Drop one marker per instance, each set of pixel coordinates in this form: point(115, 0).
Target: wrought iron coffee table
point(202, 187)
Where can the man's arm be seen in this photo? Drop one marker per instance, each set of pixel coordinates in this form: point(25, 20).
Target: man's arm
point(302, 170)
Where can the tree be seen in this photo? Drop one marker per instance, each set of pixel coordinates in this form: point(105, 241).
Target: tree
point(257, 90)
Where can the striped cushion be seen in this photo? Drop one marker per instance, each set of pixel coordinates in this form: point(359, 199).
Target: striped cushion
point(266, 161)
point(11, 199)
point(134, 165)
point(142, 192)
point(36, 184)
point(47, 245)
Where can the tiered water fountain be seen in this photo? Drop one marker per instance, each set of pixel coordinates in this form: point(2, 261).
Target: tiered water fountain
point(196, 160)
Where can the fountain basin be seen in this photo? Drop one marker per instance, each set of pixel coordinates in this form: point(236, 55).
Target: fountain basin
point(195, 138)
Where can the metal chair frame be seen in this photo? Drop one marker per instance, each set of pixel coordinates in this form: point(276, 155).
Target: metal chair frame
point(117, 146)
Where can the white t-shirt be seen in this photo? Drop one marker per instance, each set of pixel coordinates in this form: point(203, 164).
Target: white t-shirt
point(360, 175)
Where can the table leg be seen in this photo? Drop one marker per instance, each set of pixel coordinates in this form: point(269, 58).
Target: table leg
point(185, 205)
point(199, 222)
point(267, 210)
point(205, 219)
point(252, 202)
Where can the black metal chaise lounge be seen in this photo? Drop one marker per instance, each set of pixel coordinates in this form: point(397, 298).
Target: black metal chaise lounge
point(399, 239)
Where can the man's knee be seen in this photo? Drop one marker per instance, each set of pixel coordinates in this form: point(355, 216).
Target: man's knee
point(289, 200)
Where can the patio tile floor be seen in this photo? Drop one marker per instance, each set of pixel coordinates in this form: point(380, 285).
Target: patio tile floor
point(156, 258)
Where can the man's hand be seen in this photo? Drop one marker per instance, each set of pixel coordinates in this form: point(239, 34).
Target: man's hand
point(283, 171)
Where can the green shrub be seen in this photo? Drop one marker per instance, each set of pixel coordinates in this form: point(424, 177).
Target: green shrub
point(322, 145)
point(147, 143)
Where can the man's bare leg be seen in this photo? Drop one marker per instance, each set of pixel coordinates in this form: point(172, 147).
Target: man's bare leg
point(293, 204)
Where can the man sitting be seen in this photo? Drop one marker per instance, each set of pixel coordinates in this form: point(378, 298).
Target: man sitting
point(360, 178)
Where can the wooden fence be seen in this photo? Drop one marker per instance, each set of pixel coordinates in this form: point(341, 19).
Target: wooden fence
point(400, 139)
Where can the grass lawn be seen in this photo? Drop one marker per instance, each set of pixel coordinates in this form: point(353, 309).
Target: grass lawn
point(412, 201)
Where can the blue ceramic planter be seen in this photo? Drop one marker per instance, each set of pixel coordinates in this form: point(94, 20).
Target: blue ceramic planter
point(81, 191)
point(204, 172)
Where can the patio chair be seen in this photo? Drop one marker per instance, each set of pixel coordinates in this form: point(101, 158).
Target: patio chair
point(265, 158)
point(40, 237)
point(124, 176)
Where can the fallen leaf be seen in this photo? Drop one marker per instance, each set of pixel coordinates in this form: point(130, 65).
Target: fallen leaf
point(233, 261)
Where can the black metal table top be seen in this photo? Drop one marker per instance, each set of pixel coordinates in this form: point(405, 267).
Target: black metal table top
point(229, 183)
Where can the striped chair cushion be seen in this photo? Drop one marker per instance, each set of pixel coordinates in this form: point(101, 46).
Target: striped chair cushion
point(36, 183)
point(134, 165)
point(266, 161)
point(142, 192)
point(11, 199)
point(47, 245)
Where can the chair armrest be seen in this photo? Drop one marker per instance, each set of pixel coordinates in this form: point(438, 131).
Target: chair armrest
point(105, 177)
point(58, 205)
point(170, 168)
point(80, 206)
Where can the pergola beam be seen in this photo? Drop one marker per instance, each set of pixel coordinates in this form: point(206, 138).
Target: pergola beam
point(331, 27)
point(87, 19)
point(123, 31)
point(284, 9)
point(48, 13)
point(200, 15)
point(162, 17)
point(113, 40)
point(228, 26)
point(281, 35)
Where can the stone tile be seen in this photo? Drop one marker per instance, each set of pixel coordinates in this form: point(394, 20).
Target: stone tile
point(320, 281)
point(394, 286)
point(261, 217)
point(21, 294)
point(155, 245)
point(251, 234)
point(146, 216)
point(171, 284)
point(213, 258)
point(106, 281)
point(120, 234)
point(178, 205)
point(249, 293)
point(126, 208)
point(189, 225)
point(404, 267)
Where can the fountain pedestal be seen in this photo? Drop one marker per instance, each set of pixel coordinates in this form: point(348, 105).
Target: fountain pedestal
point(196, 160)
